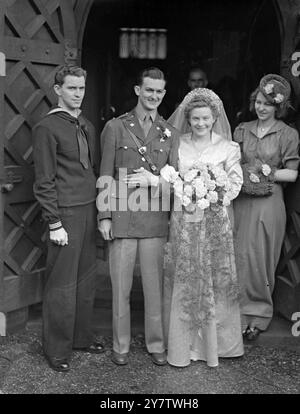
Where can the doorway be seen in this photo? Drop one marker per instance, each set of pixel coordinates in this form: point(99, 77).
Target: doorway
point(232, 41)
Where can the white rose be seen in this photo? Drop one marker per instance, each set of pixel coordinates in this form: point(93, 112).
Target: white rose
point(269, 88)
point(188, 190)
point(201, 192)
point(198, 180)
point(254, 178)
point(226, 201)
point(212, 196)
point(203, 203)
point(200, 188)
point(211, 185)
point(178, 187)
point(221, 177)
point(279, 98)
point(186, 200)
point(266, 170)
point(190, 175)
point(221, 181)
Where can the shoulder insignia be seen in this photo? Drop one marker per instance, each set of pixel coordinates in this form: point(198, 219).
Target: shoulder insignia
point(123, 116)
point(240, 126)
point(244, 125)
point(127, 115)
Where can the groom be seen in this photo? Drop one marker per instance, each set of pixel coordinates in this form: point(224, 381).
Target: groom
point(135, 147)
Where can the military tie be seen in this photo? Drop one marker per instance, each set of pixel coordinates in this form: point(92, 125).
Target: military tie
point(147, 123)
point(82, 145)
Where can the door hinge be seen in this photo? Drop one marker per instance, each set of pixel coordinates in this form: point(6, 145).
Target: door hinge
point(2, 64)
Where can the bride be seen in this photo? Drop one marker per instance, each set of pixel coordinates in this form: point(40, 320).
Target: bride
point(201, 294)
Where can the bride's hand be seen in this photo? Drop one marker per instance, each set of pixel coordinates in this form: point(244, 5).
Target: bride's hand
point(169, 174)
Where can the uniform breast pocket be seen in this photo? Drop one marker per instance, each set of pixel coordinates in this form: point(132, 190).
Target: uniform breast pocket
point(126, 156)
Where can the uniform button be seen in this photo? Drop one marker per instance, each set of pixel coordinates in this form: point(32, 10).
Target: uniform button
point(125, 147)
point(161, 150)
point(143, 159)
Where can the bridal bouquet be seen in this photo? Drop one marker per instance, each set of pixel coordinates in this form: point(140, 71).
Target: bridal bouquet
point(258, 179)
point(201, 187)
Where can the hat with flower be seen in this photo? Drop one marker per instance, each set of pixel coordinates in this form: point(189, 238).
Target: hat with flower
point(275, 88)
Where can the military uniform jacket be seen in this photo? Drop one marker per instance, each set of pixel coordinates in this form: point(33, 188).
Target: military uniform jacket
point(131, 209)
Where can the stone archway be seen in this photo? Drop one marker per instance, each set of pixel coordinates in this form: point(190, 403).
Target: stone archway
point(288, 17)
point(81, 11)
point(288, 21)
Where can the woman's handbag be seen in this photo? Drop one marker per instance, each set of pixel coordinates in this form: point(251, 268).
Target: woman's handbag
point(257, 182)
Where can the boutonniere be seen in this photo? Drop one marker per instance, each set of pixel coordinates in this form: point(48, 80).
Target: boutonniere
point(165, 133)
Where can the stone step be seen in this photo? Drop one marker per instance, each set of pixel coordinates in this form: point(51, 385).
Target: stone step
point(279, 334)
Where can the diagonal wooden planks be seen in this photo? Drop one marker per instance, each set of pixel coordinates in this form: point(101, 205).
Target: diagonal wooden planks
point(34, 42)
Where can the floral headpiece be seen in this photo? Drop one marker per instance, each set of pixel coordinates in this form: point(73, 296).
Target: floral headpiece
point(205, 95)
point(275, 88)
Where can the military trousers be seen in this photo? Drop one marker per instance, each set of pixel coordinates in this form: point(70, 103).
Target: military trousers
point(70, 285)
point(122, 257)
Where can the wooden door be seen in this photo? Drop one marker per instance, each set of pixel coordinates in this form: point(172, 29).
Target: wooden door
point(35, 37)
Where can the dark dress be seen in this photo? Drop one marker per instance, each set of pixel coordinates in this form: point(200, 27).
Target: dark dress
point(260, 221)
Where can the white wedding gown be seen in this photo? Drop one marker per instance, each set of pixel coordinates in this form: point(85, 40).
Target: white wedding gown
point(201, 293)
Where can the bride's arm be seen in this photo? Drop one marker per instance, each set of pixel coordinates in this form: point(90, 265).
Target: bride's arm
point(234, 170)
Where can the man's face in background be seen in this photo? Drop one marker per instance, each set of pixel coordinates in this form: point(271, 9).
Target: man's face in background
point(197, 79)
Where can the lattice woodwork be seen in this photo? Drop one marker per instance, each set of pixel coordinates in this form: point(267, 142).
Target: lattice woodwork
point(290, 261)
point(34, 42)
point(287, 288)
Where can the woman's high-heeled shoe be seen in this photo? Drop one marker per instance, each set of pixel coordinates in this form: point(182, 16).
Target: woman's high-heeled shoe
point(253, 334)
point(245, 332)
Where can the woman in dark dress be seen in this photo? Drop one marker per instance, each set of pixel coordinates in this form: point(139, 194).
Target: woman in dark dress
point(269, 159)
